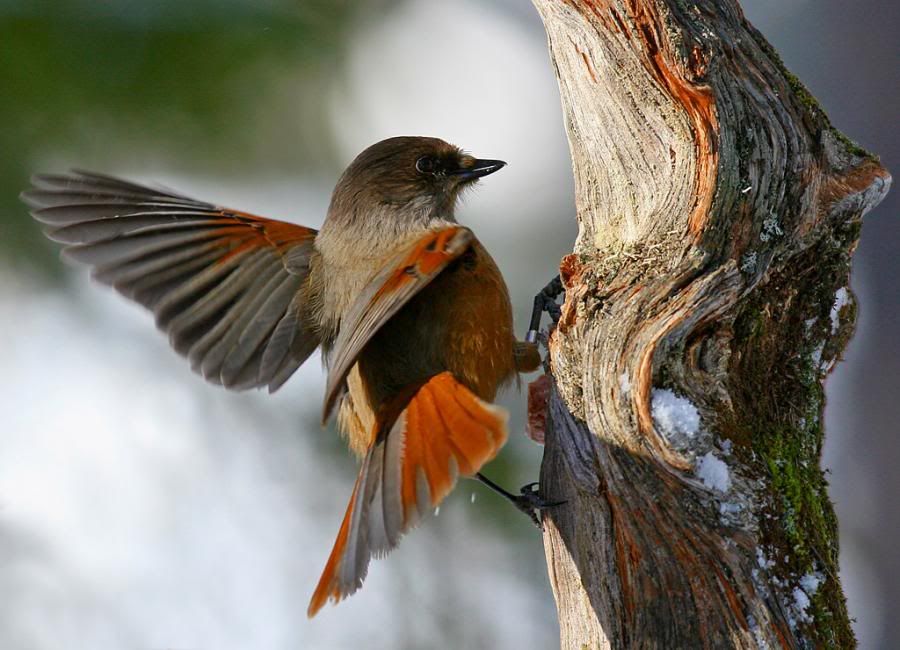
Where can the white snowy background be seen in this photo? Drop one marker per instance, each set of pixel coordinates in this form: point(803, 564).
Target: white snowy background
point(141, 508)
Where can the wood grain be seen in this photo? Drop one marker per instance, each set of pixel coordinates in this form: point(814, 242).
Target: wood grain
point(718, 210)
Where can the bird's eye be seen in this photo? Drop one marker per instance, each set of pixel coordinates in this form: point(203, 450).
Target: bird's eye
point(425, 165)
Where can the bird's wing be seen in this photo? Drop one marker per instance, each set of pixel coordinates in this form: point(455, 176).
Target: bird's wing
point(227, 286)
point(385, 295)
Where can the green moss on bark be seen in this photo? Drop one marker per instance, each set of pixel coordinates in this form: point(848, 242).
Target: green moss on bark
point(783, 341)
point(806, 98)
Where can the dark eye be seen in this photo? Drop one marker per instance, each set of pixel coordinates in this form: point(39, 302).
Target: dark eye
point(425, 165)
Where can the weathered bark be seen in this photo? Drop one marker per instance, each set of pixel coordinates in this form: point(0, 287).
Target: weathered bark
point(718, 210)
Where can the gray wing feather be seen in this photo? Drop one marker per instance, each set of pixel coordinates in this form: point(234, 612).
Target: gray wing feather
point(228, 287)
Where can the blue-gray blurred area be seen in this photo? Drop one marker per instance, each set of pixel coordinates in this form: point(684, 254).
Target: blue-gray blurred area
point(142, 508)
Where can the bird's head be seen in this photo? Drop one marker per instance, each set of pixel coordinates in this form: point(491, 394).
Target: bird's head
point(408, 179)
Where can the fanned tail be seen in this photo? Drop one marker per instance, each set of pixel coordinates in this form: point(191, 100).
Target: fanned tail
point(444, 431)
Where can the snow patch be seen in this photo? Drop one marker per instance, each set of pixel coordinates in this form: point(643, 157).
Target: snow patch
point(841, 300)
point(758, 635)
point(811, 581)
point(801, 598)
point(761, 560)
point(817, 355)
point(713, 472)
point(731, 513)
point(726, 446)
point(674, 416)
point(798, 608)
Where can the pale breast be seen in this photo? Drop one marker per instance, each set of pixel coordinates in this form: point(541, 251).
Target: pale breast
point(335, 287)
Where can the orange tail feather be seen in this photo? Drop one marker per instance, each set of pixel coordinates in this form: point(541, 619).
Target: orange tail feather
point(327, 587)
point(445, 430)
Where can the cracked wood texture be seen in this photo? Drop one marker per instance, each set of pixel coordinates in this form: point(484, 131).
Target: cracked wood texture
point(718, 210)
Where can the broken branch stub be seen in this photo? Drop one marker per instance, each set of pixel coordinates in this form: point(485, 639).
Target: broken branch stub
point(706, 299)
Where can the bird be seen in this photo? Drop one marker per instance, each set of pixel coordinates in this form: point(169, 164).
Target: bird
point(411, 313)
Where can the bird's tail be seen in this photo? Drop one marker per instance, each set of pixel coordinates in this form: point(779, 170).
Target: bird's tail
point(443, 431)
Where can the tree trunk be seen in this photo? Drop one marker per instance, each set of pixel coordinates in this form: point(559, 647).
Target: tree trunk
point(706, 299)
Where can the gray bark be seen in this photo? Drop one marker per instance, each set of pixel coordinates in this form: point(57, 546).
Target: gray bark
point(718, 211)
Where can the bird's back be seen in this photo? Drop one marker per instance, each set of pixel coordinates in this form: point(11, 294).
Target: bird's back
point(461, 323)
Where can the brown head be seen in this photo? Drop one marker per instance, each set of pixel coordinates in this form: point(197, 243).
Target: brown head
point(404, 183)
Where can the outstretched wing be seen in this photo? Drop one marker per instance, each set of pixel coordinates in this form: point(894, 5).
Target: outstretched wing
point(228, 287)
point(385, 295)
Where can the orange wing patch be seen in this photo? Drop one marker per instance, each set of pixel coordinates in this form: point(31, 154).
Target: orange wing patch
point(444, 431)
point(428, 255)
point(252, 233)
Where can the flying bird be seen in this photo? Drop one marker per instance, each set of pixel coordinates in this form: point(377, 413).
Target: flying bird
point(410, 311)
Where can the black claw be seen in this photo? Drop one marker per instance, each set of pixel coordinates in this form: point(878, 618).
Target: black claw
point(528, 501)
point(529, 494)
point(545, 301)
point(531, 503)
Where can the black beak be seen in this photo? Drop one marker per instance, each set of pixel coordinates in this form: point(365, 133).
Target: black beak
point(472, 169)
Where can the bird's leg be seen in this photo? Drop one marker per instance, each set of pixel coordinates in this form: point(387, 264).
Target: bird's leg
point(528, 358)
point(544, 301)
point(527, 501)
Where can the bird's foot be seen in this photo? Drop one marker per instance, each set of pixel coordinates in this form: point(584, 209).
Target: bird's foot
point(528, 501)
point(545, 301)
point(532, 503)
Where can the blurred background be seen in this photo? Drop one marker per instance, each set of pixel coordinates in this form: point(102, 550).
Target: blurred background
point(141, 508)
